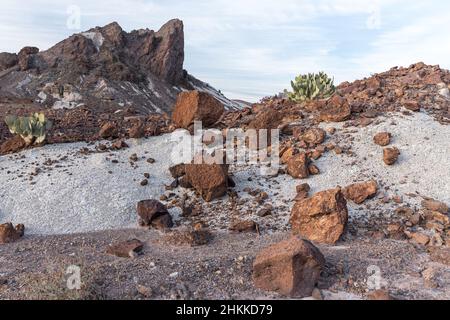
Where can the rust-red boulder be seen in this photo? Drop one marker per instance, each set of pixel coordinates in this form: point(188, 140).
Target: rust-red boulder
point(382, 139)
point(196, 106)
point(337, 109)
point(314, 136)
point(360, 192)
point(243, 226)
point(298, 166)
point(153, 213)
point(9, 233)
point(291, 268)
point(321, 218)
point(390, 155)
point(209, 180)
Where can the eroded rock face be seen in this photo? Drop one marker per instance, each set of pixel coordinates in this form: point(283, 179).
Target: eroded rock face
point(360, 192)
point(291, 268)
point(15, 144)
point(321, 218)
point(196, 106)
point(9, 233)
point(109, 68)
point(390, 155)
point(209, 180)
point(337, 109)
point(154, 214)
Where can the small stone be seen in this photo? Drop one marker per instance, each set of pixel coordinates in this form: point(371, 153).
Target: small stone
point(382, 139)
point(127, 249)
point(144, 182)
point(390, 155)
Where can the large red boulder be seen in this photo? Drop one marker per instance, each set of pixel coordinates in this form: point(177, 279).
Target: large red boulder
point(321, 218)
point(291, 268)
point(196, 106)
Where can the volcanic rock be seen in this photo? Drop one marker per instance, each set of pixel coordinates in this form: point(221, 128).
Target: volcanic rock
point(153, 213)
point(382, 139)
point(390, 155)
point(127, 249)
point(15, 144)
point(412, 105)
point(360, 192)
point(314, 136)
point(298, 166)
point(106, 67)
point(244, 226)
point(209, 180)
point(291, 268)
point(137, 131)
point(435, 205)
point(321, 218)
point(337, 109)
point(108, 131)
point(9, 233)
point(7, 60)
point(196, 106)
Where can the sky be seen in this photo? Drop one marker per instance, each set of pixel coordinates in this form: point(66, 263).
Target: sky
point(250, 49)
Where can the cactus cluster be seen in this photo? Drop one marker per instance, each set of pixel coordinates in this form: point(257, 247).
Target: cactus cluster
point(312, 86)
point(32, 129)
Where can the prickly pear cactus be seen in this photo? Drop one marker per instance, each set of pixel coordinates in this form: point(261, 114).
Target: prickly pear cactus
point(311, 86)
point(32, 129)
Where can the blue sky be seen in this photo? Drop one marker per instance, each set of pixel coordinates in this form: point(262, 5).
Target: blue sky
point(253, 48)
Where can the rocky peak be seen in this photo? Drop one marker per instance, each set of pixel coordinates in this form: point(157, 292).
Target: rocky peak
point(142, 68)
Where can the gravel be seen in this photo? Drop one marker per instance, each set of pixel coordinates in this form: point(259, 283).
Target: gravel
point(87, 193)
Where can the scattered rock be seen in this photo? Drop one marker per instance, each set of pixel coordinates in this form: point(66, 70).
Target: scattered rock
point(196, 106)
point(382, 139)
point(412, 105)
point(381, 295)
point(188, 237)
point(244, 226)
point(209, 180)
point(137, 131)
point(144, 183)
point(119, 144)
point(435, 205)
point(321, 218)
point(314, 136)
point(108, 131)
point(177, 171)
point(9, 233)
point(337, 109)
point(291, 268)
point(128, 249)
point(153, 213)
point(298, 166)
point(13, 145)
point(418, 237)
point(390, 156)
point(302, 191)
point(360, 192)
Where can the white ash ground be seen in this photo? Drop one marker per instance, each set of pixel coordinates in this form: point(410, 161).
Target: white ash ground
point(79, 194)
